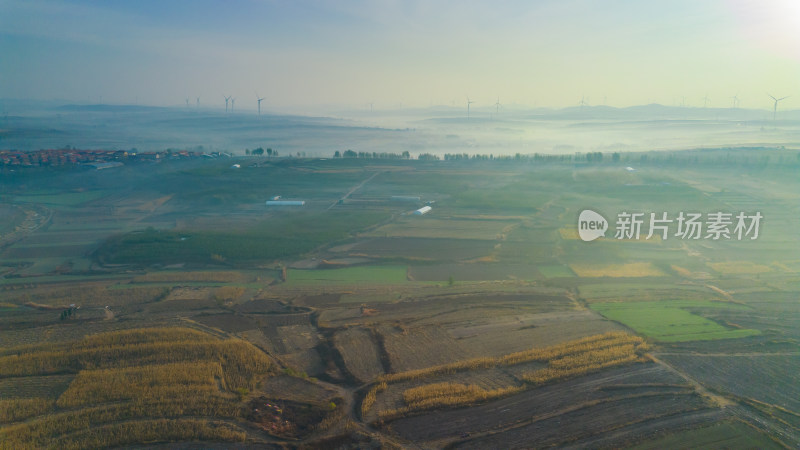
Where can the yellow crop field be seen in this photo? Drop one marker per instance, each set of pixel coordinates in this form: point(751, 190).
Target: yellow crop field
point(682, 271)
point(151, 382)
point(739, 267)
point(15, 409)
point(568, 234)
point(132, 386)
point(616, 270)
point(451, 394)
point(241, 361)
point(119, 434)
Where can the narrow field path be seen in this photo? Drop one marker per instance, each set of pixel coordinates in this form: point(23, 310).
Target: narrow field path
point(355, 188)
point(718, 400)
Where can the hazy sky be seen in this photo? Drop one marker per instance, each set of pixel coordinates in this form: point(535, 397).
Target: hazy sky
point(347, 54)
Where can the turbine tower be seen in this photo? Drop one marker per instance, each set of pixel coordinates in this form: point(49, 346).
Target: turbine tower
point(583, 103)
point(775, 107)
point(705, 101)
point(497, 106)
point(187, 102)
point(469, 102)
point(227, 99)
point(198, 102)
point(259, 103)
point(735, 99)
point(233, 103)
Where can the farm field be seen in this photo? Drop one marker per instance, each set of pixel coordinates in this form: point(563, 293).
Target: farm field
point(611, 292)
point(425, 227)
point(166, 305)
point(747, 376)
point(61, 199)
point(608, 388)
point(364, 274)
point(423, 249)
point(138, 376)
point(556, 271)
point(671, 321)
point(719, 435)
point(473, 272)
point(616, 270)
point(360, 353)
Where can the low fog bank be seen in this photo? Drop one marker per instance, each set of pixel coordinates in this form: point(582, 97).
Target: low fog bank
point(438, 130)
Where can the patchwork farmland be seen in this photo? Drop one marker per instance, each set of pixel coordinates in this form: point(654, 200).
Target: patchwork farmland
point(181, 310)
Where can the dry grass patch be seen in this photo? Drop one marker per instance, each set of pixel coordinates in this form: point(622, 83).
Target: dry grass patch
point(641, 269)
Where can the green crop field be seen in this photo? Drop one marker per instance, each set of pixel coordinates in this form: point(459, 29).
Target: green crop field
point(276, 238)
point(670, 321)
point(374, 274)
point(556, 271)
point(66, 199)
point(427, 227)
point(728, 434)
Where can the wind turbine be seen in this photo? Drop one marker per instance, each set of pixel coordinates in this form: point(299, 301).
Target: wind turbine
point(497, 106)
point(198, 102)
point(187, 102)
point(227, 99)
point(233, 103)
point(582, 103)
point(735, 99)
point(775, 108)
point(259, 103)
point(371, 104)
point(469, 102)
point(705, 100)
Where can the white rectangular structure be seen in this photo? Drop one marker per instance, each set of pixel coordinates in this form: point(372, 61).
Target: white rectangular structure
point(423, 210)
point(285, 202)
